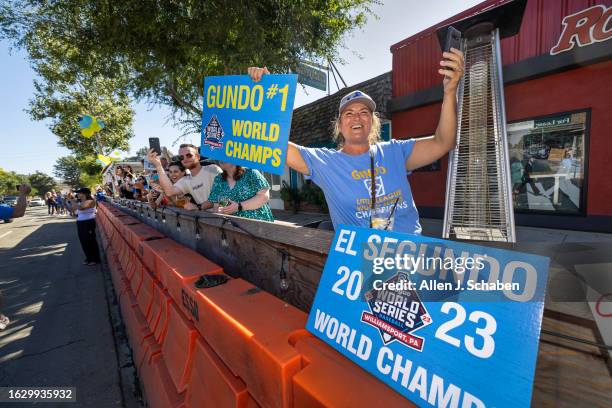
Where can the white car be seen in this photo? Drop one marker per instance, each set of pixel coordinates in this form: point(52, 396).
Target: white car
point(37, 202)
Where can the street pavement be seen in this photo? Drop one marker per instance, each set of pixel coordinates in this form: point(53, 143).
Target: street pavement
point(60, 332)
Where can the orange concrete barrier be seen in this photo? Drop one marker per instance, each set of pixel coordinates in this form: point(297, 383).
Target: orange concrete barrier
point(117, 242)
point(177, 348)
point(158, 386)
point(135, 322)
point(136, 233)
point(126, 255)
point(249, 330)
point(133, 264)
point(176, 265)
point(145, 294)
point(212, 384)
point(331, 380)
point(159, 312)
point(232, 345)
point(136, 277)
point(122, 222)
point(124, 219)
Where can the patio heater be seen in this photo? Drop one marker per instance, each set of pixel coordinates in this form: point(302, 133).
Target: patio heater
point(479, 204)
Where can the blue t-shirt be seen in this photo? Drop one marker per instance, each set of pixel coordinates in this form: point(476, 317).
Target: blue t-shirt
point(6, 212)
point(346, 182)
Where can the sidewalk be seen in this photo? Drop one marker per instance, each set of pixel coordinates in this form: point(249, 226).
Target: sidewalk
point(60, 334)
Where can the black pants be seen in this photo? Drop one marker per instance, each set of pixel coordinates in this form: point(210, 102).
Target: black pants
point(87, 236)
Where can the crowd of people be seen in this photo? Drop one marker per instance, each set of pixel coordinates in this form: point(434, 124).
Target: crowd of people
point(60, 203)
point(188, 182)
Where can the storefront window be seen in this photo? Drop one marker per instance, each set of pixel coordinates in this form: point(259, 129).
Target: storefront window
point(275, 184)
point(547, 157)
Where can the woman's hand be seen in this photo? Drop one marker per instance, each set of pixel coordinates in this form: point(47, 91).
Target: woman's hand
point(190, 207)
point(256, 73)
point(454, 67)
point(229, 209)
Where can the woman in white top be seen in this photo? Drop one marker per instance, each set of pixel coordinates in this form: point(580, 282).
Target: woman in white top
point(86, 225)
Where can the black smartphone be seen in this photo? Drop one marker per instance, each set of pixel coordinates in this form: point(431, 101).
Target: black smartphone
point(453, 39)
point(154, 144)
point(17, 186)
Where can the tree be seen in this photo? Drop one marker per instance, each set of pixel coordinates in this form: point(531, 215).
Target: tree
point(41, 182)
point(78, 172)
point(160, 51)
point(63, 103)
point(9, 180)
point(67, 169)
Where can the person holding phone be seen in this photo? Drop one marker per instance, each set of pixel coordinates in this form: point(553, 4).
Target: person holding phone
point(197, 184)
point(85, 207)
point(157, 198)
point(366, 178)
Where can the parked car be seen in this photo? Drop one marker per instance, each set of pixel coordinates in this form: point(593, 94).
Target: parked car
point(37, 202)
point(10, 200)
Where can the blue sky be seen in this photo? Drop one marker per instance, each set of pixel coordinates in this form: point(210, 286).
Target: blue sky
point(28, 146)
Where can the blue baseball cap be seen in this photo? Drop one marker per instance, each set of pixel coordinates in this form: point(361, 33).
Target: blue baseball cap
point(357, 96)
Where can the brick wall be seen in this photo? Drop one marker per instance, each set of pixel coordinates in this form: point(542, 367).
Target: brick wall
point(312, 124)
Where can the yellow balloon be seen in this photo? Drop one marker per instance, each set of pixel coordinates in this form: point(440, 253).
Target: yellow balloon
point(87, 132)
point(104, 159)
point(95, 126)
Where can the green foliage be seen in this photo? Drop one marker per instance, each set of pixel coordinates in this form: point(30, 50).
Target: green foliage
point(141, 153)
point(311, 193)
point(8, 181)
point(91, 180)
point(291, 195)
point(78, 172)
point(67, 169)
point(160, 51)
point(63, 103)
point(41, 183)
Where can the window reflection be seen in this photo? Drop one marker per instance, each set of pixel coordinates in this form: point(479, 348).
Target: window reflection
point(547, 163)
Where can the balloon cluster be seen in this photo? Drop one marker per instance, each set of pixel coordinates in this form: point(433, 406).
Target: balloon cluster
point(106, 160)
point(90, 125)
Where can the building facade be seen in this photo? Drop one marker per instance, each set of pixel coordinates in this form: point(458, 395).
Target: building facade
point(557, 81)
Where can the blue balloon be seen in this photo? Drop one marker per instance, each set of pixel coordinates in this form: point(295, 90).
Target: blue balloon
point(85, 121)
point(101, 124)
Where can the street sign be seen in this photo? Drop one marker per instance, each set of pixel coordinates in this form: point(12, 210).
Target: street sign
point(445, 324)
point(311, 76)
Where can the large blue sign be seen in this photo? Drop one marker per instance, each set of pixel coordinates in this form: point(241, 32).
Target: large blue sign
point(248, 123)
point(445, 324)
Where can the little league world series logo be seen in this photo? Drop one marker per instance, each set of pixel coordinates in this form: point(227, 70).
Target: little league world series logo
point(213, 133)
point(397, 314)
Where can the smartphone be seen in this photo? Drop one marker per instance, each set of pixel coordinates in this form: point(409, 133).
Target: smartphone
point(154, 144)
point(17, 186)
point(453, 39)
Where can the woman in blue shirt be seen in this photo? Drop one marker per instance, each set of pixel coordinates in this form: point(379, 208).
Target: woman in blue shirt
point(365, 181)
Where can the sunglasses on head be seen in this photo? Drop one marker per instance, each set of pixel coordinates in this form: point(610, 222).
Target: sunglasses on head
point(182, 157)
